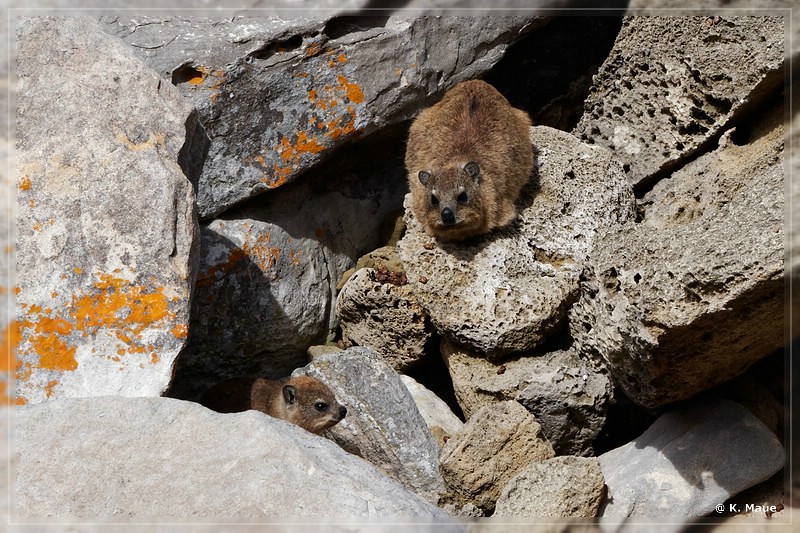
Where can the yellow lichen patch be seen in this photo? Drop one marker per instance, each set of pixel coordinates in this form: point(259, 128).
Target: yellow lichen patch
point(200, 77)
point(306, 144)
point(181, 331)
point(154, 359)
point(260, 252)
point(342, 58)
point(24, 183)
point(48, 342)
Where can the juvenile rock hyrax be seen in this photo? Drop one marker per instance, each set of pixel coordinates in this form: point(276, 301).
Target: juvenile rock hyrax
point(303, 400)
point(468, 158)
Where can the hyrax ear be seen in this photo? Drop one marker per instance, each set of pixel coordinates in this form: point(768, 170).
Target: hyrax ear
point(473, 170)
point(289, 394)
point(424, 177)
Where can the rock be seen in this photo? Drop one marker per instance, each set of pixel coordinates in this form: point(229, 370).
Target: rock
point(568, 398)
point(384, 257)
point(559, 487)
point(690, 460)
point(496, 444)
point(693, 294)
point(383, 424)
point(322, 349)
point(508, 291)
point(106, 229)
point(278, 96)
point(433, 409)
point(692, 76)
point(173, 459)
point(385, 316)
point(266, 283)
point(9, 327)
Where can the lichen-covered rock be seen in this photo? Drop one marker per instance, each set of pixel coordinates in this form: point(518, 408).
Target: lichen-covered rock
point(433, 409)
point(106, 224)
point(384, 316)
point(9, 330)
point(690, 460)
point(496, 443)
point(693, 294)
point(507, 291)
point(278, 96)
point(671, 84)
point(383, 424)
point(563, 486)
point(568, 397)
point(266, 287)
point(77, 458)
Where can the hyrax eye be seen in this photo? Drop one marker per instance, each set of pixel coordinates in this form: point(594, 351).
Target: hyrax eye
point(434, 200)
point(320, 406)
point(462, 198)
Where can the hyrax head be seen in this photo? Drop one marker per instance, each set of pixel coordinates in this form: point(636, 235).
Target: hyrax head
point(311, 404)
point(452, 208)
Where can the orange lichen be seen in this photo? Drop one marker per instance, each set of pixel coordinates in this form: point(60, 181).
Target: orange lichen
point(354, 92)
point(260, 252)
point(342, 58)
point(48, 342)
point(24, 183)
point(208, 277)
point(48, 389)
point(77, 270)
point(181, 331)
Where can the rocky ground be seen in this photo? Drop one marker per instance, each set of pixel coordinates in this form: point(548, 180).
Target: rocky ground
point(200, 198)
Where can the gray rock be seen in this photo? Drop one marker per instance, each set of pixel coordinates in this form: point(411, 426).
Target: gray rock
point(266, 287)
point(568, 397)
point(278, 96)
point(563, 486)
point(507, 291)
point(383, 424)
point(693, 294)
point(106, 225)
point(670, 84)
point(496, 444)
point(77, 458)
point(385, 317)
point(7, 246)
point(434, 410)
point(690, 460)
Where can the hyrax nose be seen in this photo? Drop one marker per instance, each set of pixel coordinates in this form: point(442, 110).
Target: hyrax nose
point(342, 411)
point(448, 217)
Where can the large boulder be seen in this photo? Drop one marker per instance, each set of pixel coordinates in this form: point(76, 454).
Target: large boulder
point(672, 84)
point(693, 294)
point(106, 226)
point(507, 291)
point(383, 424)
point(77, 458)
point(277, 96)
point(689, 461)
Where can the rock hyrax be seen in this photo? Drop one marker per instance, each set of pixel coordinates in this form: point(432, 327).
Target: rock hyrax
point(303, 400)
point(468, 158)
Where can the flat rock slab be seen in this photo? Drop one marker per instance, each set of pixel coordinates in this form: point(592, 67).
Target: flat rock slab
point(507, 291)
point(77, 458)
point(106, 226)
point(672, 83)
point(277, 96)
point(690, 460)
point(383, 424)
point(564, 486)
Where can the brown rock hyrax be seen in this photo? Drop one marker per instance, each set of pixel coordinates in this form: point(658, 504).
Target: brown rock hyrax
point(468, 158)
point(303, 400)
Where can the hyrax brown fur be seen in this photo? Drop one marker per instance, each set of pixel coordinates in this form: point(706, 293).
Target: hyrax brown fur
point(304, 401)
point(468, 158)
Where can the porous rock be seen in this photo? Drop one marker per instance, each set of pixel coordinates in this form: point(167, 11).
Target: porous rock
point(670, 84)
point(78, 458)
point(496, 443)
point(306, 85)
point(568, 397)
point(384, 316)
point(434, 410)
point(383, 424)
point(690, 460)
point(507, 291)
point(564, 486)
point(693, 294)
point(106, 228)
